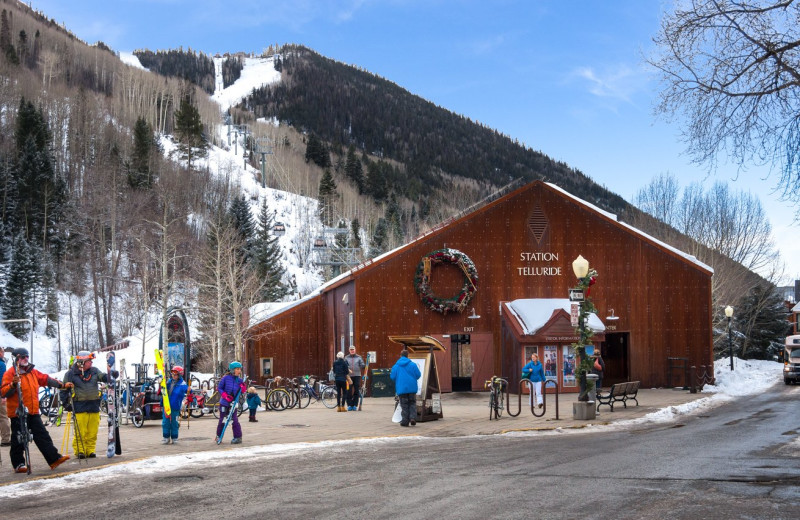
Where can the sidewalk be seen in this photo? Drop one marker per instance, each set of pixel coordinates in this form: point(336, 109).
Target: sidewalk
point(464, 414)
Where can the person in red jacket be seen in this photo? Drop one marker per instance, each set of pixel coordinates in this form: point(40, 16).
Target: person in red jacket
point(28, 380)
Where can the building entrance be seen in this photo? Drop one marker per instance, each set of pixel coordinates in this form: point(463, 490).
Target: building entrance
point(615, 355)
point(461, 365)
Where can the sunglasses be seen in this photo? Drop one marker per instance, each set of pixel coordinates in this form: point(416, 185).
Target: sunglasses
point(22, 357)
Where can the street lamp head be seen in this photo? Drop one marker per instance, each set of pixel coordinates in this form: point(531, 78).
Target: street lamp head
point(580, 266)
point(729, 311)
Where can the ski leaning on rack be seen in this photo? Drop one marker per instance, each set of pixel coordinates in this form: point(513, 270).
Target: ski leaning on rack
point(23, 435)
point(164, 395)
point(114, 444)
point(231, 411)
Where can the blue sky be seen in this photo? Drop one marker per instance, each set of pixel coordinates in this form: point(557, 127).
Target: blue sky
point(561, 76)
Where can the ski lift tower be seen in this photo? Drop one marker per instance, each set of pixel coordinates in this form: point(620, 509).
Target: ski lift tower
point(244, 129)
point(228, 122)
point(264, 148)
point(327, 253)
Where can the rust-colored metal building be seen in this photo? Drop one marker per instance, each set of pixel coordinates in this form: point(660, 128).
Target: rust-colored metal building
point(654, 301)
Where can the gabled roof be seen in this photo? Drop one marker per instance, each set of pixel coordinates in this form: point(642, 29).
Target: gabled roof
point(373, 263)
point(533, 314)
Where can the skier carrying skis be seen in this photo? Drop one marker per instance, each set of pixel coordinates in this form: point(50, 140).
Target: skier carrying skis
point(23, 379)
point(176, 389)
point(229, 386)
point(86, 397)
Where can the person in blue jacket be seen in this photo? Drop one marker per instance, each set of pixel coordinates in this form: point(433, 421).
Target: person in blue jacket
point(253, 402)
point(229, 386)
point(405, 374)
point(5, 424)
point(176, 390)
point(534, 371)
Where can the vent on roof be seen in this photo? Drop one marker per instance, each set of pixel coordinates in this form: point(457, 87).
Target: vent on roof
point(537, 223)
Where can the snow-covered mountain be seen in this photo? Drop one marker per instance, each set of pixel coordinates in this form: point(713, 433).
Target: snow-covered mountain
point(297, 213)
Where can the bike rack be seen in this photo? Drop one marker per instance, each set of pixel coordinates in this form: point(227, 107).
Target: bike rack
point(519, 401)
point(530, 389)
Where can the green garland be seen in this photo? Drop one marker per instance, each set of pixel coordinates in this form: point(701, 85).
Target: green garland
point(422, 280)
point(585, 332)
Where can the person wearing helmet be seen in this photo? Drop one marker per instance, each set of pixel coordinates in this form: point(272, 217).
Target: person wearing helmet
point(5, 424)
point(228, 387)
point(22, 378)
point(176, 390)
point(86, 396)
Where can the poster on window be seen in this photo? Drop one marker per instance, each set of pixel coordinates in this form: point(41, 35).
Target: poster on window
point(569, 366)
point(551, 363)
point(529, 351)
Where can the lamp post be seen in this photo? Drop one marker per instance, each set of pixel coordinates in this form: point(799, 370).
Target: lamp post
point(586, 278)
point(729, 315)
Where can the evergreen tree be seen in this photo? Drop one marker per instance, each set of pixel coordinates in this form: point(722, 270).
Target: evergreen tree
point(375, 183)
point(30, 123)
point(267, 257)
point(380, 239)
point(5, 32)
point(353, 169)
point(317, 152)
point(8, 195)
point(144, 144)
point(762, 321)
point(41, 194)
point(189, 131)
point(21, 286)
point(6, 47)
point(327, 198)
point(394, 221)
point(242, 220)
point(355, 234)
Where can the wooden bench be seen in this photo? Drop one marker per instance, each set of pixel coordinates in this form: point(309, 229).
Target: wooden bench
point(619, 393)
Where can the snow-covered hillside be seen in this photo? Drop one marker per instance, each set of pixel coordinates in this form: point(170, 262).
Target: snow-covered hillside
point(256, 73)
point(297, 213)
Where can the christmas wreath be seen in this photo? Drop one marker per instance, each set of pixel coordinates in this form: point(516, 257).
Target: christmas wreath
point(422, 280)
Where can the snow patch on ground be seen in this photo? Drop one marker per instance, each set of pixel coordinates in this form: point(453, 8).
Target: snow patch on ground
point(749, 377)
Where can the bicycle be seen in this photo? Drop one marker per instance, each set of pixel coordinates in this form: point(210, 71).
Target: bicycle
point(496, 385)
point(326, 393)
point(49, 403)
point(278, 395)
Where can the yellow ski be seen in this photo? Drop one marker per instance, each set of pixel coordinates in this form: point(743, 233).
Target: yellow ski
point(164, 395)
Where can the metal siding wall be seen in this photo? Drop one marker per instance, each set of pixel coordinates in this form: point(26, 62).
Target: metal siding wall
point(662, 301)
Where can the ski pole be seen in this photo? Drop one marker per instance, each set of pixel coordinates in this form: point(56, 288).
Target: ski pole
point(78, 436)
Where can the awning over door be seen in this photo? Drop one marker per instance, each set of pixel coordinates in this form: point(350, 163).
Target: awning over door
point(535, 315)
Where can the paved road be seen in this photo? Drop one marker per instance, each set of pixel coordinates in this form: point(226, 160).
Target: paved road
point(740, 460)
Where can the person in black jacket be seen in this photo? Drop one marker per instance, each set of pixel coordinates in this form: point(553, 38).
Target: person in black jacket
point(85, 398)
point(340, 373)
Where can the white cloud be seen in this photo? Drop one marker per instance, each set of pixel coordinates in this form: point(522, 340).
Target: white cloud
point(620, 83)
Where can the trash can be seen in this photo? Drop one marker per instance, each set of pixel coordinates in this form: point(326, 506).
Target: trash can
point(382, 384)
